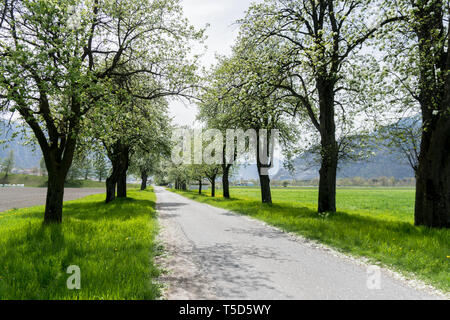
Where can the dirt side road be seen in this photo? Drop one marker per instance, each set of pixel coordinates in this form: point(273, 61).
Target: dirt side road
point(11, 198)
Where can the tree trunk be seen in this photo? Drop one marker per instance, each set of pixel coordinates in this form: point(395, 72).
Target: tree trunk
point(119, 156)
point(123, 169)
point(111, 183)
point(327, 182)
point(122, 185)
point(213, 187)
point(433, 177)
point(432, 208)
point(55, 196)
point(226, 181)
point(144, 177)
point(58, 164)
point(200, 186)
point(329, 147)
point(264, 181)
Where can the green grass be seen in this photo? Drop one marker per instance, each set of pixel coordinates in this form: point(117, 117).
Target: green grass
point(371, 222)
point(114, 246)
point(386, 203)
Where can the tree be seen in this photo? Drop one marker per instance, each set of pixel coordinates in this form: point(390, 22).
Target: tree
point(237, 98)
point(55, 69)
point(130, 126)
point(198, 175)
point(433, 178)
point(8, 164)
point(100, 165)
point(418, 53)
point(134, 114)
point(219, 120)
point(211, 171)
point(404, 136)
point(316, 42)
point(40, 79)
point(82, 164)
point(145, 163)
point(143, 166)
point(180, 175)
point(75, 172)
point(86, 166)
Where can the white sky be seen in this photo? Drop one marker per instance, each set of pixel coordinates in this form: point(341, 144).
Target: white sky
point(221, 15)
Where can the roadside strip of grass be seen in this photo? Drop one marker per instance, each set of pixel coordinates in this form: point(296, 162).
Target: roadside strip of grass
point(113, 244)
point(397, 244)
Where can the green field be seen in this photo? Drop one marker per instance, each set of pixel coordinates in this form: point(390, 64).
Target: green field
point(386, 203)
point(113, 245)
point(373, 222)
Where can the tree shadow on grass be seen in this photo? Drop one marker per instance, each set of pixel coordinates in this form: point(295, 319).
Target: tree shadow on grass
point(30, 262)
point(95, 209)
point(111, 252)
point(125, 208)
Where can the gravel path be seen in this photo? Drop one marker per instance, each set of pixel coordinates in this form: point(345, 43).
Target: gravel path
point(215, 254)
point(27, 197)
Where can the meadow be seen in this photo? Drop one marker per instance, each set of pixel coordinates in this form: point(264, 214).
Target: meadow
point(376, 223)
point(113, 244)
point(386, 203)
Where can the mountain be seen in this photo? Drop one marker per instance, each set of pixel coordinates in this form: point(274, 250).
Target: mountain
point(25, 157)
point(388, 160)
point(382, 164)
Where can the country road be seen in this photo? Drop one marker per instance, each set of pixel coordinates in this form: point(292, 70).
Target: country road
point(215, 254)
point(11, 198)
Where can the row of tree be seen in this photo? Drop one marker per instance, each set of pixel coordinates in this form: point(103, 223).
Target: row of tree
point(94, 74)
point(183, 175)
point(328, 71)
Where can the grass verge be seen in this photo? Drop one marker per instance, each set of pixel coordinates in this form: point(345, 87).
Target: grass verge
point(387, 238)
point(113, 244)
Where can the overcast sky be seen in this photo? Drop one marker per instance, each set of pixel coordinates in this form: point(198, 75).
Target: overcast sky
point(221, 15)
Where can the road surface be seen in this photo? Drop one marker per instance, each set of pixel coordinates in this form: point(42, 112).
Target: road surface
point(215, 254)
point(11, 198)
